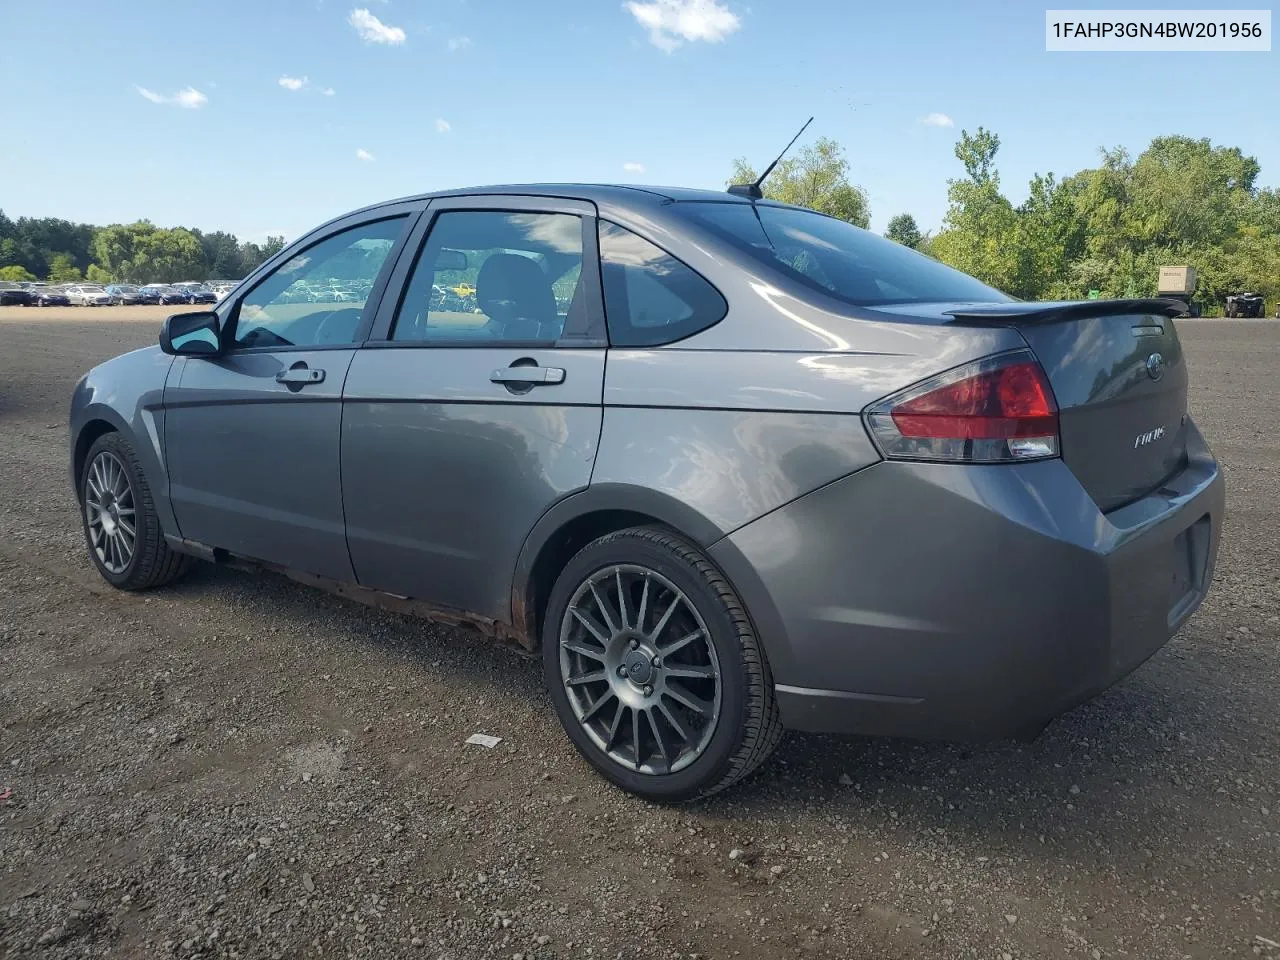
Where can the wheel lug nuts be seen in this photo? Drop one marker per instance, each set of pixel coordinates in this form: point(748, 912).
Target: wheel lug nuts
point(657, 661)
point(648, 691)
point(635, 644)
point(622, 672)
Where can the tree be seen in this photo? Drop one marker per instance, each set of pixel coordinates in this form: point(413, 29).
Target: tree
point(62, 269)
point(16, 274)
point(222, 255)
point(95, 274)
point(253, 255)
point(818, 178)
point(979, 232)
point(978, 153)
point(904, 230)
point(147, 254)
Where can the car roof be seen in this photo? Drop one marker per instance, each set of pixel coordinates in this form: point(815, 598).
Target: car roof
point(632, 196)
point(619, 193)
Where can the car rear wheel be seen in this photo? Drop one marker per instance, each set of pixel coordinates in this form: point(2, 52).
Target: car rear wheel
point(654, 668)
point(121, 526)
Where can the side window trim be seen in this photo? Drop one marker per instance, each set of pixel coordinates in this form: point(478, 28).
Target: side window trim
point(410, 213)
point(380, 336)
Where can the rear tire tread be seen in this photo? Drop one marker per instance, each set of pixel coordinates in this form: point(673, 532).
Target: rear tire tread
point(762, 725)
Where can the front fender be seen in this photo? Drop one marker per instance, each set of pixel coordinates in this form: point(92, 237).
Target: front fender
point(126, 394)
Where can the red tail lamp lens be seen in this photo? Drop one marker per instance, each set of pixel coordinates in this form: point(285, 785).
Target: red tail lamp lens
point(1006, 403)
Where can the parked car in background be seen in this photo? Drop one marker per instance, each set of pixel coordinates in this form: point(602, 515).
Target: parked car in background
point(1245, 305)
point(14, 294)
point(221, 288)
point(124, 293)
point(50, 296)
point(763, 470)
point(163, 293)
point(196, 292)
point(88, 295)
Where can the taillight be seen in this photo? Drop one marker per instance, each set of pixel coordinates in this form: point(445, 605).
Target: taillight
point(990, 411)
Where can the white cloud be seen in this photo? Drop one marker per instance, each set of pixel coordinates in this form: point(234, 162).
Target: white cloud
point(632, 167)
point(373, 30)
point(328, 91)
point(442, 125)
point(365, 155)
point(292, 83)
point(671, 22)
point(190, 98)
point(937, 120)
point(459, 43)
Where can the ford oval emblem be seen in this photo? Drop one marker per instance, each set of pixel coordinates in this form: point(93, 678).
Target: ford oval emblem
point(1155, 366)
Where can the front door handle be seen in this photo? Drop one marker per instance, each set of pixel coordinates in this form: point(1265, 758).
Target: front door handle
point(528, 376)
point(299, 374)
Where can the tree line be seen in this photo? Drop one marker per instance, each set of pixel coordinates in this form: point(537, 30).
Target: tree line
point(47, 248)
point(1103, 231)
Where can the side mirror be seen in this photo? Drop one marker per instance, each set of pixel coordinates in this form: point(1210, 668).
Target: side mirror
point(192, 334)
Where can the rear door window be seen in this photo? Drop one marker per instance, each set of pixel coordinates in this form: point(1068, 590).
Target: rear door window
point(489, 277)
point(650, 297)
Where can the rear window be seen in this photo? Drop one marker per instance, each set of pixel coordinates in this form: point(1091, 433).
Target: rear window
point(834, 257)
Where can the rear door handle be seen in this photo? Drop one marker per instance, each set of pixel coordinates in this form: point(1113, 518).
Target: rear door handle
point(299, 375)
point(528, 376)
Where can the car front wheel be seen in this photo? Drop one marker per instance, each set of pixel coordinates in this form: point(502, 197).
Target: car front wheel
point(654, 667)
point(121, 526)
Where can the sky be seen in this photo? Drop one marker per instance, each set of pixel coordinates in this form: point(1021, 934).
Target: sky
point(270, 116)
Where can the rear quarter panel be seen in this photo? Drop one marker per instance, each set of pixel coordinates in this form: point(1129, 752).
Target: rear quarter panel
point(730, 454)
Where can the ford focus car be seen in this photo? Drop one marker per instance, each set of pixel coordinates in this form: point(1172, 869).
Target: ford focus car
point(125, 293)
point(88, 295)
point(732, 466)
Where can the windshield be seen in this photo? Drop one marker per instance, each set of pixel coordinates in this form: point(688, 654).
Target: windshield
point(835, 257)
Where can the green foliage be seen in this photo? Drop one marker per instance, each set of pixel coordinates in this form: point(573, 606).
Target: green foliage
point(144, 253)
point(818, 178)
point(1110, 228)
point(978, 154)
point(903, 229)
point(16, 273)
point(62, 269)
point(63, 251)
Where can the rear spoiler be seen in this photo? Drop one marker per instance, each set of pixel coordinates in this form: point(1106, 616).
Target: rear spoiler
point(1019, 314)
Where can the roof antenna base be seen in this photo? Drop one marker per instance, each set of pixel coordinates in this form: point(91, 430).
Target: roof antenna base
point(752, 190)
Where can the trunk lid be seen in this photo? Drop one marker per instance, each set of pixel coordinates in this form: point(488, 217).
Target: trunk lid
point(1120, 381)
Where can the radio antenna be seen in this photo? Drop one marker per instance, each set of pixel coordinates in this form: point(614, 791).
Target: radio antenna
point(752, 190)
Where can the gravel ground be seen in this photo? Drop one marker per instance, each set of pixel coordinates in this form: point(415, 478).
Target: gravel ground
point(239, 766)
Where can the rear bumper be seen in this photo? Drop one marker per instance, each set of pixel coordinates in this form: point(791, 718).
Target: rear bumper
point(969, 602)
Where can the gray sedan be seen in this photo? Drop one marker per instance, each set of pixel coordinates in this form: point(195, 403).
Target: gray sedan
point(731, 466)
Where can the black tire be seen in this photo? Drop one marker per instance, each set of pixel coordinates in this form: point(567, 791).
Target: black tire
point(748, 727)
point(152, 563)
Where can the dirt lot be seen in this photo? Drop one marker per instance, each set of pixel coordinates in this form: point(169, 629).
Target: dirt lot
point(242, 767)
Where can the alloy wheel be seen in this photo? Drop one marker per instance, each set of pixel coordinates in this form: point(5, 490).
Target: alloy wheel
point(110, 512)
point(639, 668)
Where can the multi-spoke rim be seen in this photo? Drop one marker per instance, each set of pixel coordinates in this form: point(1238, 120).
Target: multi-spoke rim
point(109, 512)
point(640, 670)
